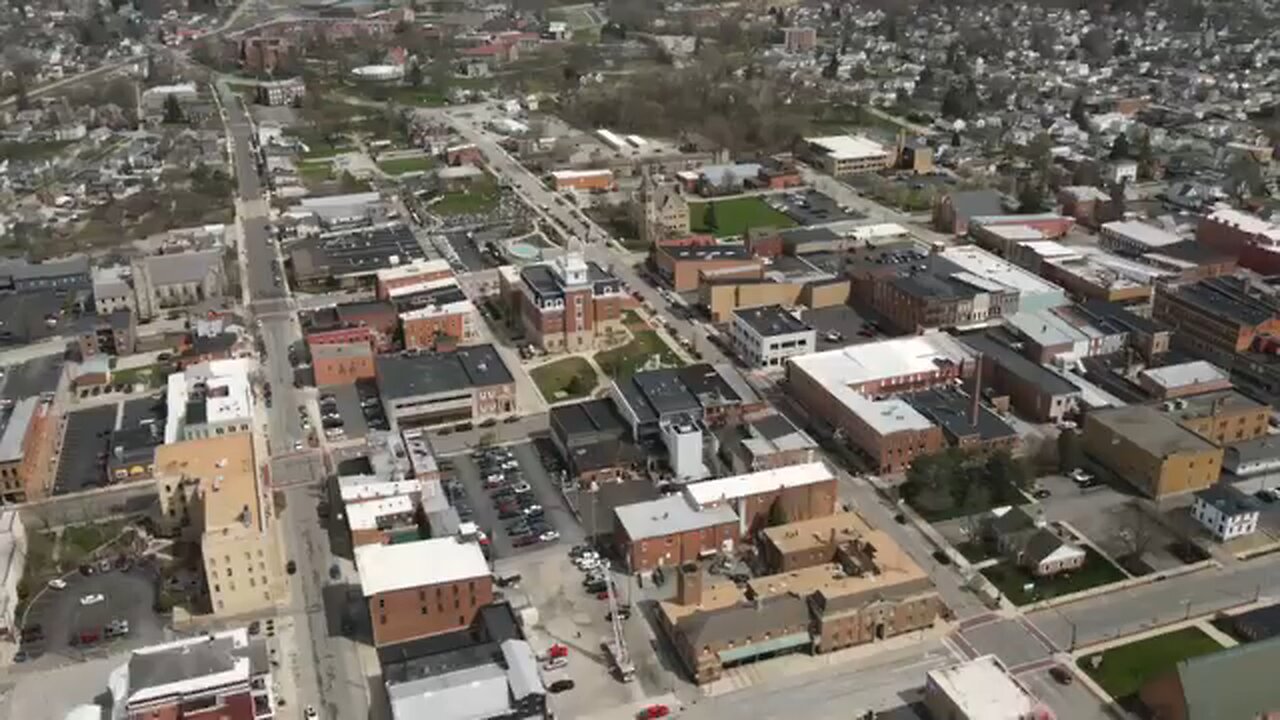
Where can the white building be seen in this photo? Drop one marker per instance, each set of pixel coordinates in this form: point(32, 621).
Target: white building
point(683, 439)
point(1134, 237)
point(209, 399)
point(1225, 511)
point(848, 154)
point(13, 562)
point(980, 689)
point(767, 336)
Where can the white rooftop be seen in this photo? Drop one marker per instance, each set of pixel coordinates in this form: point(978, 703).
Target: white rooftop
point(412, 269)
point(1014, 231)
point(387, 568)
point(709, 492)
point(228, 396)
point(668, 516)
point(578, 174)
point(143, 690)
point(986, 265)
point(848, 147)
point(427, 311)
point(354, 488)
point(982, 689)
point(1195, 372)
point(1142, 233)
point(1046, 248)
point(1246, 222)
point(364, 515)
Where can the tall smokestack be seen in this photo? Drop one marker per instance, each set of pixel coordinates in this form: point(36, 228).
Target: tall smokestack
point(977, 391)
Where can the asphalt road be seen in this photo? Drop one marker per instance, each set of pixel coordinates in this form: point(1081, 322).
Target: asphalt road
point(331, 678)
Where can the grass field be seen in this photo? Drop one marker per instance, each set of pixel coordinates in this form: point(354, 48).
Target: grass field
point(400, 166)
point(734, 217)
point(623, 362)
point(565, 379)
point(314, 172)
point(1011, 579)
point(149, 375)
point(1124, 669)
point(481, 197)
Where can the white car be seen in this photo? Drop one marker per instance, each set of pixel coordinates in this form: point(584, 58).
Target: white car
point(58, 584)
point(549, 536)
point(310, 713)
point(93, 599)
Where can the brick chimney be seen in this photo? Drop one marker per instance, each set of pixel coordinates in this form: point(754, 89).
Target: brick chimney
point(977, 392)
point(689, 584)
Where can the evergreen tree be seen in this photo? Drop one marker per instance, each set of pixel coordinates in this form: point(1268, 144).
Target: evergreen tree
point(1078, 114)
point(1120, 148)
point(172, 110)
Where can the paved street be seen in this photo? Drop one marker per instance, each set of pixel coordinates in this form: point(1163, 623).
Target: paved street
point(325, 666)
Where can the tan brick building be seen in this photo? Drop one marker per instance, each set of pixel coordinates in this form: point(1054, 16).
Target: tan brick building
point(1151, 451)
point(209, 490)
point(420, 589)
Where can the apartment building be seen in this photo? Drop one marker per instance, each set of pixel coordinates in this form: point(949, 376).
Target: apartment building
point(852, 390)
point(225, 675)
point(1151, 451)
point(764, 337)
point(568, 304)
point(209, 490)
point(1219, 317)
point(162, 282)
point(420, 589)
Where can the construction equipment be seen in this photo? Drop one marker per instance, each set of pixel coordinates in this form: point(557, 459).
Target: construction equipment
point(617, 647)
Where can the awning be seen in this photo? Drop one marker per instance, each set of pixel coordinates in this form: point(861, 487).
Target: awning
point(766, 647)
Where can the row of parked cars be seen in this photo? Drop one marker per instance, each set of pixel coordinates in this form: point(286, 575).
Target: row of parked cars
point(525, 520)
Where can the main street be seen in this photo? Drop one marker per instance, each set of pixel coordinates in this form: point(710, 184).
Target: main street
point(325, 666)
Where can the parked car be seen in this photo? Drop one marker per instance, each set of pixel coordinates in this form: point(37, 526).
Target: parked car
point(560, 686)
point(595, 587)
point(655, 711)
point(523, 540)
point(92, 599)
point(291, 567)
point(1061, 674)
point(58, 584)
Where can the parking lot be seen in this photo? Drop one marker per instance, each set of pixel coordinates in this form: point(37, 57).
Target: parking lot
point(469, 475)
point(33, 377)
point(71, 629)
point(810, 207)
point(340, 409)
point(83, 461)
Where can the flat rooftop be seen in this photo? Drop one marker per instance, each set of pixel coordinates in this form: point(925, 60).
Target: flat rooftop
point(1011, 361)
point(710, 492)
point(771, 320)
point(990, 267)
point(808, 534)
point(387, 568)
point(223, 466)
point(983, 689)
point(1196, 372)
point(1141, 232)
point(848, 147)
point(1151, 430)
point(401, 376)
point(952, 410)
point(670, 515)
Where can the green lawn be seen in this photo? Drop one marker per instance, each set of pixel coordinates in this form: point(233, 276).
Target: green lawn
point(315, 172)
point(564, 379)
point(78, 541)
point(150, 375)
point(1124, 669)
point(733, 217)
point(1010, 579)
point(976, 552)
point(481, 197)
point(401, 166)
point(623, 362)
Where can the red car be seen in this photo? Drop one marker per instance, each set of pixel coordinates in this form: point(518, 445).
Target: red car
point(556, 651)
point(655, 711)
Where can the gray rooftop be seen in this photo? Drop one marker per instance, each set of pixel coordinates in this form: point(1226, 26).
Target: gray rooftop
point(402, 376)
point(522, 669)
point(1228, 499)
point(1018, 365)
point(473, 693)
point(15, 429)
point(707, 627)
point(182, 268)
point(669, 515)
point(1232, 684)
point(771, 320)
point(152, 669)
point(1151, 430)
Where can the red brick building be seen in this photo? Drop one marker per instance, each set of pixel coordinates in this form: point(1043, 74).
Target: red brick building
point(463, 155)
point(342, 363)
point(683, 266)
point(668, 532)
point(206, 677)
point(568, 303)
point(417, 274)
point(375, 322)
point(419, 589)
point(1230, 231)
